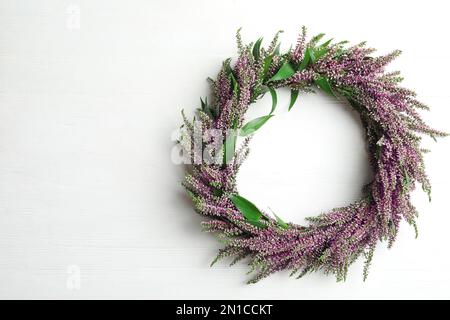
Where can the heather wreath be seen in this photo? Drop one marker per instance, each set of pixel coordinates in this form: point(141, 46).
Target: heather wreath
point(335, 239)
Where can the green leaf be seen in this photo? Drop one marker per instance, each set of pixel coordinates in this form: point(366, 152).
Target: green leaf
point(294, 96)
point(407, 179)
point(339, 53)
point(281, 223)
point(308, 58)
point(217, 192)
point(253, 125)
point(317, 38)
point(257, 49)
point(229, 72)
point(273, 93)
point(234, 124)
point(285, 72)
point(267, 62)
point(326, 43)
point(323, 83)
point(234, 83)
point(322, 50)
point(227, 66)
point(355, 104)
point(277, 49)
point(205, 108)
point(203, 103)
point(290, 49)
point(247, 208)
point(312, 56)
point(320, 53)
point(406, 182)
point(229, 147)
point(261, 91)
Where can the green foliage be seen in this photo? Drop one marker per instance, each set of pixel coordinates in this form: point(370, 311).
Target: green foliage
point(406, 182)
point(324, 84)
point(312, 54)
point(284, 72)
point(250, 212)
point(230, 147)
point(277, 49)
point(206, 108)
point(294, 96)
point(280, 221)
point(229, 72)
point(317, 38)
point(273, 93)
point(257, 49)
point(266, 65)
point(253, 125)
point(234, 85)
point(217, 192)
point(325, 44)
point(307, 59)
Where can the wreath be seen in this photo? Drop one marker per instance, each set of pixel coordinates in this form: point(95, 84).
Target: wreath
point(335, 239)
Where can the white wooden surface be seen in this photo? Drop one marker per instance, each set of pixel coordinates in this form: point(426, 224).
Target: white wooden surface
point(90, 202)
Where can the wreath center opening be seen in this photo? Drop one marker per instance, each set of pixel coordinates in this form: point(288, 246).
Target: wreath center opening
point(321, 164)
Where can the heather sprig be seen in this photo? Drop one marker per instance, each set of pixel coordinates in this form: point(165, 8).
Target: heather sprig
point(334, 240)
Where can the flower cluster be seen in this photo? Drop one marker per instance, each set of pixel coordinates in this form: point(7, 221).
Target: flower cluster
point(333, 240)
